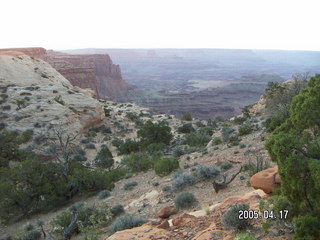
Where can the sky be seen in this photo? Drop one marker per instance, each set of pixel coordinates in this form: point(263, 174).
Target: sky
point(242, 24)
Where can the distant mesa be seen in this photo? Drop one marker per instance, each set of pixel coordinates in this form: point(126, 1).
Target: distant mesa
point(94, 71)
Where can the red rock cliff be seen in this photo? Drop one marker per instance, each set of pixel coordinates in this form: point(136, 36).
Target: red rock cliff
point(95, 71)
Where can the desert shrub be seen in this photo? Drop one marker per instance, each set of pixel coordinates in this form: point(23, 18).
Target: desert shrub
point(231, 218)
point(186, 128)
point(2, 125)
point(226, 133)
point(90, 146)
point(104, 158)
point(206, 172)
point(154, 148)
point(32, 235)
point(126, 222)
point(166, 188)
point(26, 136)
point(244, 130)
point(91, 134)
point(88, 217)
point(245, 236)
point(178, 151)
point(242, 145)
point(226, 166)
point(165, 166)
point(86, 140)
point(129, 146)
point(103, 129)
point(199, 124)
point(104, 194)
point(182, 180)
point(196, 139)
point(132, 116)
point(80, 158)
point(207, 130)
point(130, 185)
point(216, 141)
point(185, 200)
point(128, 175)
point(6, 107)
point(257, 164)
point(239, 120)
point(37, 125)
point(140, 161)
point(219, 118)
point(117, 142)
point(59, 100)
point(155, 133)
point(186, 117)
point(117, 210)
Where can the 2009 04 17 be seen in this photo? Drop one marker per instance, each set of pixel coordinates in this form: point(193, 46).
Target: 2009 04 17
point(254, 214)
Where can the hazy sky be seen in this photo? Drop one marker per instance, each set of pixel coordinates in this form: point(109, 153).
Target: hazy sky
point(69, 24)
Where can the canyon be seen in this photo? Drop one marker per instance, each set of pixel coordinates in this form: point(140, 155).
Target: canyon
point(94, 71)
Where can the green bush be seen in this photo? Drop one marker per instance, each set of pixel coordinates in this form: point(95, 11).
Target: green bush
point(226, 133)
point(216, 141)
point(59, 100)
point(239, 120)
point(165, 166)
point(206, 172)
point(117, 210)
point(104, 158)
point(186, 128)
point(185, 200)
point(182, 180)
point(245, 236)
point(130, 185)
point(155, 133)
point(126, 222)
point(129, 146)
point(32, 235)
point(153, 148)
point(140, 161)
point(178, 151)
point(244, 130)
point(90, 146)
point(226, 166)
point(186, 117)
point(91, 134)
point(88, 217)
point(196, 139)
point(307, 227)
point(104, 194)
point(231, 218)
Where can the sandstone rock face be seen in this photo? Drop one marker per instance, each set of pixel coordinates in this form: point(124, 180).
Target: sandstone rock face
point(266, 180)
point(166, 212)
point(94, 71)
point(38, 97)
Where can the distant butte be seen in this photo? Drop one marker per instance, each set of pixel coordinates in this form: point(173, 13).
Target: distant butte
point(94, 71)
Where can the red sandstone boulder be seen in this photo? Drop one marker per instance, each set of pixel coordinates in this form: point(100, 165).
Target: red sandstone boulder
point(164, 225)
point(182, 220)
point(266, 180)
point(166, 212)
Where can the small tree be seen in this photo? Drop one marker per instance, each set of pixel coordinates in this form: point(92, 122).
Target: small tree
point(155, 133)
point(295, 147)
point(187, 117)
point(104, 158)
